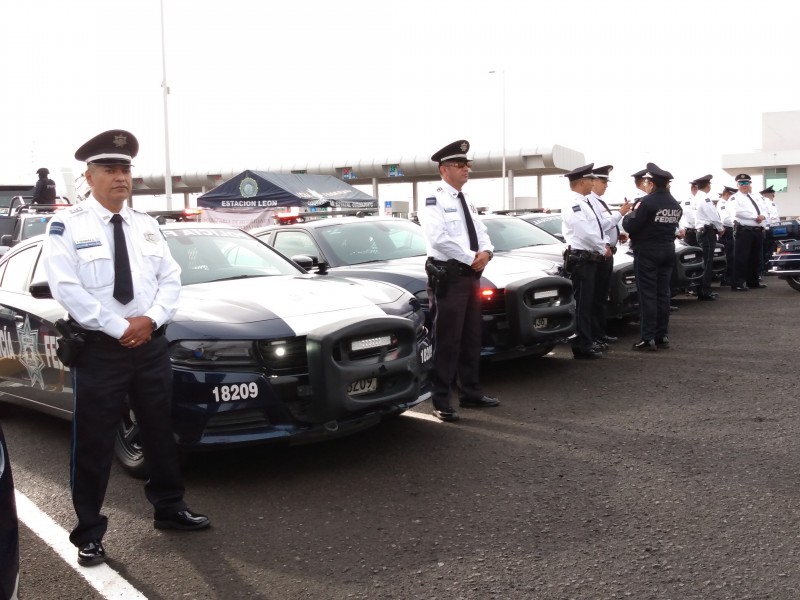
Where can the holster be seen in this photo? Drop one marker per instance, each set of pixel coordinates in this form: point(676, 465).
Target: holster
point(70, 344)
point(437, 278)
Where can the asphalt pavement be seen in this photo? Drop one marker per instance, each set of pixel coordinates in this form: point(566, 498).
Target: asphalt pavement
point(670, 474)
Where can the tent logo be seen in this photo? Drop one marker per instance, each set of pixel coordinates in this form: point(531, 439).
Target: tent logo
point(248, 187)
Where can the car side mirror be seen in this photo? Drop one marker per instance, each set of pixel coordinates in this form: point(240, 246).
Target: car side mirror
point(41, 290)
point(6, 240)
point(305, 261)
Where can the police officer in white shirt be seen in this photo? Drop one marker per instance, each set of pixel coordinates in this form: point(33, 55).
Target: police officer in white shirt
point(749, 215)
point(609, 220)
point(687, 225)
point(726, 239)
point(459, 248)
point(709, 225)
point(587, 248)
point(110, 268)
point(773, 220)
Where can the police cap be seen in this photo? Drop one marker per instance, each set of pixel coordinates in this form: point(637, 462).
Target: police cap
point(729, 189)
point(114, 147)
point(768, 190)
point(455, 152)
point(702, 181)
point(603, 172)
point(639, 174)
point(743, 177)
point(580, 172)
point(42, 171)
point(656, 173)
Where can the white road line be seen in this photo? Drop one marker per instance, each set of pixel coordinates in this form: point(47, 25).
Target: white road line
point(421, 416)
point(101, 577)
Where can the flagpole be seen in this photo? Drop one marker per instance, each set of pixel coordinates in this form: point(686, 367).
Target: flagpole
point(165, 89)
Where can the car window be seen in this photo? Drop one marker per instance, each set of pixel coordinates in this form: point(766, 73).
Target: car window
point(212, 254)
point(355, 243)
point(513, 233)
point(551, 225)
point(18, 269)
point(292, 243)
point(34, 227)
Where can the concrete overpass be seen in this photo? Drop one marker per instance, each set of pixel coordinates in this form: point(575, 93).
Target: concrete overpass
point(535, 162)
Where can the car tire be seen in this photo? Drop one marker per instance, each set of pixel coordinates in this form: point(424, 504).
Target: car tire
point(543, 352)
point(128, 448)
point(794, 283)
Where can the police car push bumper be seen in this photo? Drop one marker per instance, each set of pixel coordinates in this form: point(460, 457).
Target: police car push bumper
point(540, 311)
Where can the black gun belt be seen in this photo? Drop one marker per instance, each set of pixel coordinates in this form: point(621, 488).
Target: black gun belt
point(750, 227)
point(99, 336)
point(462, 268)
point(590, 256)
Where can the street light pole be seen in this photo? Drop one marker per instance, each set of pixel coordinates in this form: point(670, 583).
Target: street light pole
point(503, 110)
point(165, 88)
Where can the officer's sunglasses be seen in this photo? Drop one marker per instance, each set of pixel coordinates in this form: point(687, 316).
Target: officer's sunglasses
point(744, 182)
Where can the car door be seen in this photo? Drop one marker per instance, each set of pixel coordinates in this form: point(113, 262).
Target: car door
point(30, 372)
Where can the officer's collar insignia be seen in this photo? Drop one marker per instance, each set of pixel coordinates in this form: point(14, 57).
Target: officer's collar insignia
point(76, 209)
point(120, 141)
point(438, 189)
point(150, 237)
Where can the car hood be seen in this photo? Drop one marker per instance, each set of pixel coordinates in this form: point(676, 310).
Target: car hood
point(507, 267)
point(408, 273)
point(302, 303)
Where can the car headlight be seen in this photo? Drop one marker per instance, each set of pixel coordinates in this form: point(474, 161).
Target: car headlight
point(214, 352)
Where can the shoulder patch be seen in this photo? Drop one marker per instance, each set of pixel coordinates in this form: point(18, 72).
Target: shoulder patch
point(56, 228)
point(688, 202)
point(430, 201)
point(708, 199)
point(576, 208)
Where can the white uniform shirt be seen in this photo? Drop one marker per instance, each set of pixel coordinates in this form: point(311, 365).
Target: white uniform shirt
point(688, 218)
point(724, 213)
point(609, 219)
point(743, 211)
point(79, 262)
point(442, 220)
point(580, 225)
point(773, 218)
point(706, 213)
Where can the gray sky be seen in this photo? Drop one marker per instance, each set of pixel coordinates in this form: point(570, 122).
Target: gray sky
point(253, 84)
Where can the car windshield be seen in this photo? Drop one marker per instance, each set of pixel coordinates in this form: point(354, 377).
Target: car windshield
point(512, 233)
point(370, 241)
point(35, 226)
point(551, 225)
point(214, 254)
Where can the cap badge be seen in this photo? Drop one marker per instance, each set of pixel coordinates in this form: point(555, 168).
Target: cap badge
point(120, 140)
point(464, 146)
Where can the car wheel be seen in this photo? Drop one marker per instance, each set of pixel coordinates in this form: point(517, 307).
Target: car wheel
point(794, 283)
point(128, 447)
point(543, 352)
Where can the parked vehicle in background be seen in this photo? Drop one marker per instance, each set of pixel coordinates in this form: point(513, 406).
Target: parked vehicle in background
point(24, 222)
point(261, 351)
point(785, 262)
point(527, 307)
point(9, 527)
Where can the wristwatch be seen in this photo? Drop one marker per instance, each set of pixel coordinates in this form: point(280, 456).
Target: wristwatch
point(153, 322)
point(490, 253)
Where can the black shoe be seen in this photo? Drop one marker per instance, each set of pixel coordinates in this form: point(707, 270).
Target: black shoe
point(739, 288)
point(759, 286)
point(91, 553)
point(673, 308)
point(708, 297)
point(662, 342)
point(599, 346)
point(591, 353)
point(482, 402)
point(448, 415)
point(609, 339)
point(185, 520)
point(645, 345)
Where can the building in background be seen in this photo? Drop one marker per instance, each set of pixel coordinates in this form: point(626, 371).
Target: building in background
point(778, 161)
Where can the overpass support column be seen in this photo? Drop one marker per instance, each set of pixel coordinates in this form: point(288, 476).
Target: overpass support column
point(512, 203)
point(539, 191)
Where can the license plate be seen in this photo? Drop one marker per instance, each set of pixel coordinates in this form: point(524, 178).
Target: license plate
point(363, 386)
point(689, 256)
point(540, 323)
point(545, 294)
point(425, 353)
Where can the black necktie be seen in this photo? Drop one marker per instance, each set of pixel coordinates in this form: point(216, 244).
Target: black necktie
point(603, 202)
point(596, 218)
point(473, 236)
point(123, 283)
point(758, 211)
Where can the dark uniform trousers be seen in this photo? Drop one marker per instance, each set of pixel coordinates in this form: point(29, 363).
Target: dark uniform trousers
point(726, 239)
point(602, 284)
point(770, 244)
point(707, 238)
point(653, 268)
point(748, 250)
point(456, 322)
point(583, 276)
point(105, 373)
